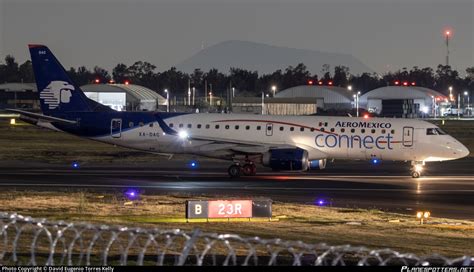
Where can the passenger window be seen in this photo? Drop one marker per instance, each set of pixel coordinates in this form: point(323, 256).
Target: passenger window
point(227, 126)
point(130, 124)
point(332, 129)
point(217, 126)
point(208, 126)
point(269, 128)
point(247, 127)
point(236, 127)
point(151, 124)
point(190, 126)
point(171, 125)
point(393, 131)
point(383, 131)
point(312, 129)
point(180, 125)
point(343, 130)
point(362, 130)
point(259, 127)
point(326, 124)
point(301, 128)
point(199, 126)
point(322, 129)
point(353, 130)
point(292, 129)
point(282, 128)
point(320, 124)
point(140, 124)
point(373, 131)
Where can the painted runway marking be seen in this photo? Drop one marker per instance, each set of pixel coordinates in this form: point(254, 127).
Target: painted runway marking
point(225, 187)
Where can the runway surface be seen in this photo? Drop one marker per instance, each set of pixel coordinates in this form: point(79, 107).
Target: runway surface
point(446, 189)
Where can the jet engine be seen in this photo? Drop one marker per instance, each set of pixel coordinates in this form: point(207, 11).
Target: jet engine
point(286, 159)
point(317, 164)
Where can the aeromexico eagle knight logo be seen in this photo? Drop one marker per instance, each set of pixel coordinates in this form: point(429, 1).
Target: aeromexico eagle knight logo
point(57, 92)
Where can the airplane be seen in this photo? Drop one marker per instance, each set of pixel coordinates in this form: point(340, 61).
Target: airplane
point(283, 143)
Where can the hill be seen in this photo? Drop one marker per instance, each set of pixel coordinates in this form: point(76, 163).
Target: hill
point(266, 58)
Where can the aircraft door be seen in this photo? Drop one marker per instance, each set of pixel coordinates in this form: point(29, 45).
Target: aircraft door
point(269, 129)
point(116, 128)
point(408, 136)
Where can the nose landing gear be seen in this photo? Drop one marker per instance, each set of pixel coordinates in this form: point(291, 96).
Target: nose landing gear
point(417, 168)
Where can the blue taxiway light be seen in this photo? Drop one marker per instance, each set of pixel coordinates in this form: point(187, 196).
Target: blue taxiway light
point(193, 164)
point(132, 194)
point(321, 202)
point(75, 165)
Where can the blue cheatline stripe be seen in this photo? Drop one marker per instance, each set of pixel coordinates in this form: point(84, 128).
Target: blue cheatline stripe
point(98, 124)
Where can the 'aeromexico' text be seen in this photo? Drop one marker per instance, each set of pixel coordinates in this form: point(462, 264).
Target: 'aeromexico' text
point(363, 124)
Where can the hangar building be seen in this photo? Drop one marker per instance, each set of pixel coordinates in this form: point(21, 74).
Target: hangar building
point(325, 97)
point(407, 102)
point(124, 97)
point(19, 95)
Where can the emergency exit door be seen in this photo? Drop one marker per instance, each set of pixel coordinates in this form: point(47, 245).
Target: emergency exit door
point(269, 129)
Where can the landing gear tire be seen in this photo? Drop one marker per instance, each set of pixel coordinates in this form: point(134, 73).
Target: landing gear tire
point(249, 169)
point(234, 171)
point(415, 174)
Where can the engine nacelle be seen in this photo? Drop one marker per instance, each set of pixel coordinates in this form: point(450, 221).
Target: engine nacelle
point(286, 159)
point(317, 164)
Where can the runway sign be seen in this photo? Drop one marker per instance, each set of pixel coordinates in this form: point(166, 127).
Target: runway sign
point(228, 208)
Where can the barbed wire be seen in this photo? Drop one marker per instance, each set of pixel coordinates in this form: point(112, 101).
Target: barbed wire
point(30, 241)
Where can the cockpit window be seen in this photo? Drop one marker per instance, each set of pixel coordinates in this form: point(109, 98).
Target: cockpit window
point(435, 131)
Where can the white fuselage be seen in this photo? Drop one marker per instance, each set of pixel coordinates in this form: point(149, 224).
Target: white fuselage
point(213, 135)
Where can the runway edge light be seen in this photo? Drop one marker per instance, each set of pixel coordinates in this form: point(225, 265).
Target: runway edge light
point(423, 215)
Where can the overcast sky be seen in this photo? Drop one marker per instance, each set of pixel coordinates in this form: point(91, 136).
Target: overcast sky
point(384, 34)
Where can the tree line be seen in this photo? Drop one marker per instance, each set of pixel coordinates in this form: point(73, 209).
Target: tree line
point(249, 83)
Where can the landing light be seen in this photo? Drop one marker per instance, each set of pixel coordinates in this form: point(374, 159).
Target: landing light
point(418, 168)
point(366, 116)
point(183, 134)
point(12, 121)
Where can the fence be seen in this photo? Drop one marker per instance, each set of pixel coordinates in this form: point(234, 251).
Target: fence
point(29, 241)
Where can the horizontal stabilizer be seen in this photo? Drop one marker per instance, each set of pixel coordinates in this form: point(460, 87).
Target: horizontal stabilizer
point(41, 117)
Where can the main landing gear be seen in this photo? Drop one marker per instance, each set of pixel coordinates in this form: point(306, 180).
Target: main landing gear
point(247, 169)
point(417, 168)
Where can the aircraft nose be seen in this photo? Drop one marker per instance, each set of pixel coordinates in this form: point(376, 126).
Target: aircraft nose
point(463, 151)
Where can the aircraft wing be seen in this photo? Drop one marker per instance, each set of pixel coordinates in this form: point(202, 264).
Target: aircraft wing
point(37, 117)
point(249, 148)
